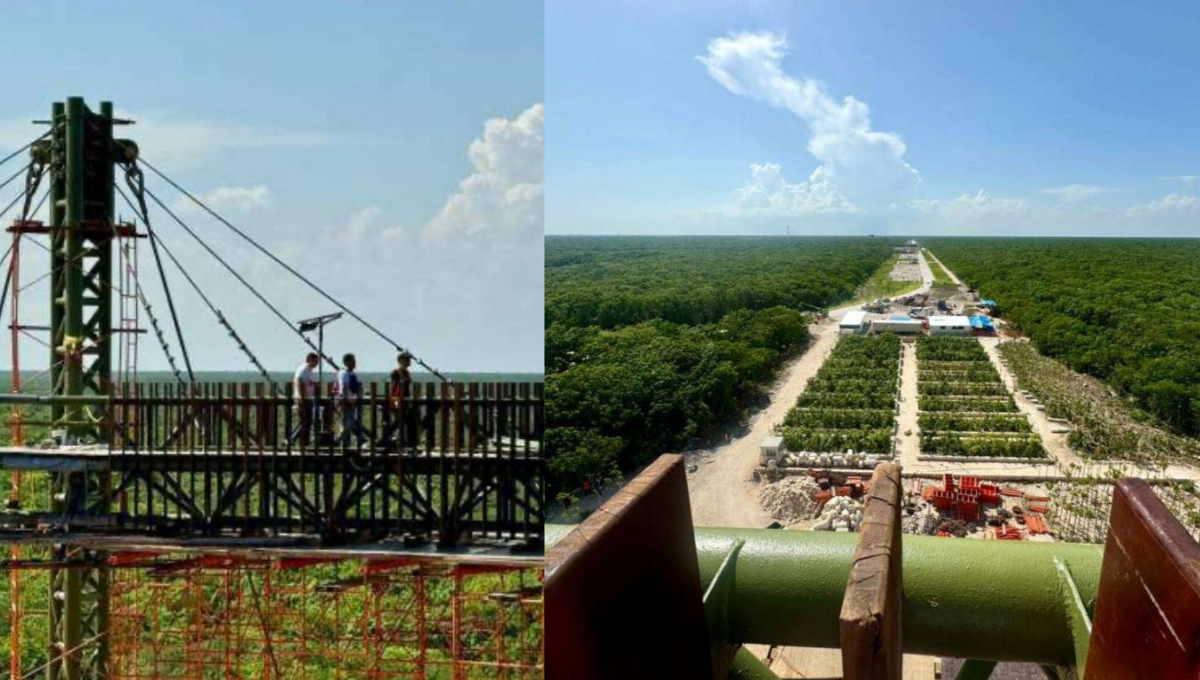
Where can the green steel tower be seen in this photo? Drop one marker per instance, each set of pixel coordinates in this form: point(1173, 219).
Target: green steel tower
point(80, 157)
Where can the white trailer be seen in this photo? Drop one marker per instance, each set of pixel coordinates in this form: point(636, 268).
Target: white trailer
point(854, 323)
point(949, 325)
point(897, 326)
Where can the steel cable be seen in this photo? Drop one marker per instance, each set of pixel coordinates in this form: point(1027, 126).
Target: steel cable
point(162, 275)
point(293, 271)
point(242, 280)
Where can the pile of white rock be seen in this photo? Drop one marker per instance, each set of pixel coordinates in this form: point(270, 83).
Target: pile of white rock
point(924, 521)
point(849, 459)
point(841, 513)
point(790, 499)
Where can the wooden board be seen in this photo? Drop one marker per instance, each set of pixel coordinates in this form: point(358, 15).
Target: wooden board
point(623, 596)
point(871, 619)
point(1147, 615)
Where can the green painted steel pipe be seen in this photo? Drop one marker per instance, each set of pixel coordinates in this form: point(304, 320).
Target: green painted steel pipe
point(747, 666)
point(964, 598)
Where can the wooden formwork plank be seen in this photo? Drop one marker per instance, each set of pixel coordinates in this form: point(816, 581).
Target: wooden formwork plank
point(622, 590)
point(1147, 614)
point(871, 609)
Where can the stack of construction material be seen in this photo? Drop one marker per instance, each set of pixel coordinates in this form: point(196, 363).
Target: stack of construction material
point(923, 521)
point(841, 513)
point(850, 459)
point(791, 499)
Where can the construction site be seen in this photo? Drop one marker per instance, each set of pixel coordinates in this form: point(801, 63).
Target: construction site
point(190, 529)
point(906, 506)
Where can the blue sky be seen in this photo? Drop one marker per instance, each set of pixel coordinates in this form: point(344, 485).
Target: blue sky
point(967, 117)
point(391, 150)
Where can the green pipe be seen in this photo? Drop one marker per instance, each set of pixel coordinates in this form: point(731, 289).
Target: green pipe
point(72, 294)
point(997, 600)
point(747, 666)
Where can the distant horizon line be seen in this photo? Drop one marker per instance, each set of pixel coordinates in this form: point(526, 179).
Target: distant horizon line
point(914, 236)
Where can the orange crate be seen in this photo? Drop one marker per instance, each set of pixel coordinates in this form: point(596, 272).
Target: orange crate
point(1036, 525)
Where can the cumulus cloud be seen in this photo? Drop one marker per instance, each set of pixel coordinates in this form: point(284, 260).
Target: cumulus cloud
point(768, 193)
point(361, 221)
point(1171, 205)
point(965, 206)
point(504, 194)
point(859, 166)
point(243, 199)
point(1075, 193)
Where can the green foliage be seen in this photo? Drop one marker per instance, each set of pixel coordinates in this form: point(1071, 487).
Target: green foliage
point(633, 393)
point(949, 348)
point(978, 389)
point(965, 408)
point(950, 444)
point(825, 418)
point(881, 284)
point(653, 343)
point(877, 440)
point(1105, 426)
point(932, 422)
point(1124, 310)
point(841, 408)
point(969, 404)
point(612, 282)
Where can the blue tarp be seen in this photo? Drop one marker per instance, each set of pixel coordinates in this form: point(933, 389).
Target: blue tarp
point(981, 323)
point(900, 318)
point(989, 303)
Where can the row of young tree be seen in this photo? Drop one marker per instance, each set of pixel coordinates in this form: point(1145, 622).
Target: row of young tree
point(961, 413)
point(654, 344)
point(1126, 311)
point(813, 427)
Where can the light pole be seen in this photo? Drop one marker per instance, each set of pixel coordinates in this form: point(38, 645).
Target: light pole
point(318, 323)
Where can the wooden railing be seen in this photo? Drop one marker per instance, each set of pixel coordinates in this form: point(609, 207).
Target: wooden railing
point(450, 462)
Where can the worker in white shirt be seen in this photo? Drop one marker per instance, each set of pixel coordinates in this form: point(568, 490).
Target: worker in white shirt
point(305, 391)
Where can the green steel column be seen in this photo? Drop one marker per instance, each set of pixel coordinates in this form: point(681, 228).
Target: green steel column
point(73, 253)
point(104, 258)
point(998, 600)
point(58, 218)
point(81, 274)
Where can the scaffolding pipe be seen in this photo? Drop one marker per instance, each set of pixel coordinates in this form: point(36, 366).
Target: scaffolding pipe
point(997, 600)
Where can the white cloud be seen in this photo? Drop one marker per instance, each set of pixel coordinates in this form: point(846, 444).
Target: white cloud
point(859, 166)
point(1188, 181)
point(1075, 193)
point(981, 212)
point(504, 194)
point(243, 199)
point(1171, 205)
point(768, 193)
point(361, 222)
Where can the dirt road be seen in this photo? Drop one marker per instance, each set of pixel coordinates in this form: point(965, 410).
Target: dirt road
point(721, 489)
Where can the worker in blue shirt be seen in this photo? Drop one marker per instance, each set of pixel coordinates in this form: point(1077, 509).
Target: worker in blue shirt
point(347, 396)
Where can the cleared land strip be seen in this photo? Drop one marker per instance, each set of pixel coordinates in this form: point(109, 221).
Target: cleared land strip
point(722, 490)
